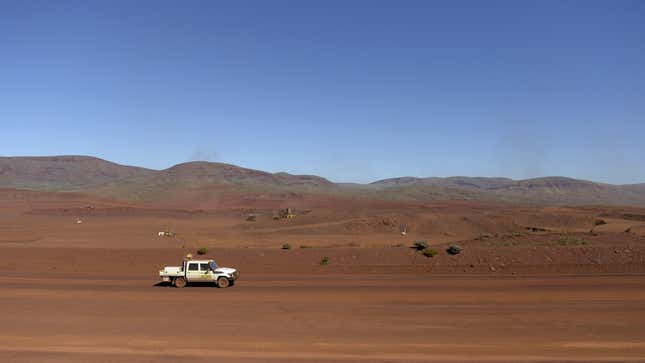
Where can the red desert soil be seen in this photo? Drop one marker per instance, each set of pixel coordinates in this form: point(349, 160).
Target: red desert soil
point(532, 283)
point(322, 317)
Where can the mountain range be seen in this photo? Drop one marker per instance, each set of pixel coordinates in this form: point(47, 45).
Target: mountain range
point(96, 176)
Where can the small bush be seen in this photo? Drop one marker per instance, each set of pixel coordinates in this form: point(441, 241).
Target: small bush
point(454, 250)
point(429, 252)
point(324, 261)
point(420, 245)
point(286, 246)
point(202, 251)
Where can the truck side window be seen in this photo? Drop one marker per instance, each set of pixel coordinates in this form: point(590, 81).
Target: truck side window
point(203, 267)
point(193, 267)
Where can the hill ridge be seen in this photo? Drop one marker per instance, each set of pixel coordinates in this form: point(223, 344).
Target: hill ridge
point(95, 175)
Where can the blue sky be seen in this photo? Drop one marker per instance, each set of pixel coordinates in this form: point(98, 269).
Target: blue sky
point(350, 90)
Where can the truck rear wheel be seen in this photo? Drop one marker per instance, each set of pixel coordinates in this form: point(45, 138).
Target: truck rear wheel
point(180, 282)
point(223, 282)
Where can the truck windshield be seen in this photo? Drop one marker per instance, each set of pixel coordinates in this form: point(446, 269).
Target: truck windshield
point(212, 265)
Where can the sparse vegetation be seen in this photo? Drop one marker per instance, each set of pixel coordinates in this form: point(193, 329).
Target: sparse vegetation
point(251, 218)
point(420, 245)
point(504, 243)
point(566, 240)
point(423, 247)
point(202, 250)
point(286, 246)
point(324, 261)
point(599, 222)
point(429, 252)
point(484, 236)
point(398, 244)
point(305, 246)
point(454, 250)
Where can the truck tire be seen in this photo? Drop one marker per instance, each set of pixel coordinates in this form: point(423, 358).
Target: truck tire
point(223, 282)
point(179, 282)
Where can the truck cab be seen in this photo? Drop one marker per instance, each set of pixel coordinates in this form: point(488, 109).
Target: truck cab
point(206, 271)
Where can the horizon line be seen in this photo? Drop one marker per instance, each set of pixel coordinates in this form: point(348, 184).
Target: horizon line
point(335, 182)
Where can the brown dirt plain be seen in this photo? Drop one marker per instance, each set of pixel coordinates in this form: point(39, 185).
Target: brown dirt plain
point(532, 284)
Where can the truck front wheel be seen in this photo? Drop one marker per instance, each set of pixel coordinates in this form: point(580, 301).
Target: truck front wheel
point(180, 282)
point(223, 282)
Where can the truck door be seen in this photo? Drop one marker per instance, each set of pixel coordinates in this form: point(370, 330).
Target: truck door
point(206, 273)
point(192, 272)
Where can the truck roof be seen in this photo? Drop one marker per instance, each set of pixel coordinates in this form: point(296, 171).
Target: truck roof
point(199, 261)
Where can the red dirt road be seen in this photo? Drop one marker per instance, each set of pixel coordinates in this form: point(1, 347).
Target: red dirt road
point(323, 318)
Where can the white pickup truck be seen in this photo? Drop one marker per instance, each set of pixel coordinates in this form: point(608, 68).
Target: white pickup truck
point(199, 271)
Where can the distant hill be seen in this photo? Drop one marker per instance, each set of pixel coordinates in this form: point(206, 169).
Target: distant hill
point(635, 188)
point(453, 182)
point(545, 190)
point(94, 175)
point(63, 173)
point(201, 173)
point(97, 176)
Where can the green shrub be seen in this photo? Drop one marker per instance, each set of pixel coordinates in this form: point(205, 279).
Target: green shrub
point(429, 252)
point(202, 251)
point(286, 246)
point(454, 250)
point(420, 245)
point(324, 261)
